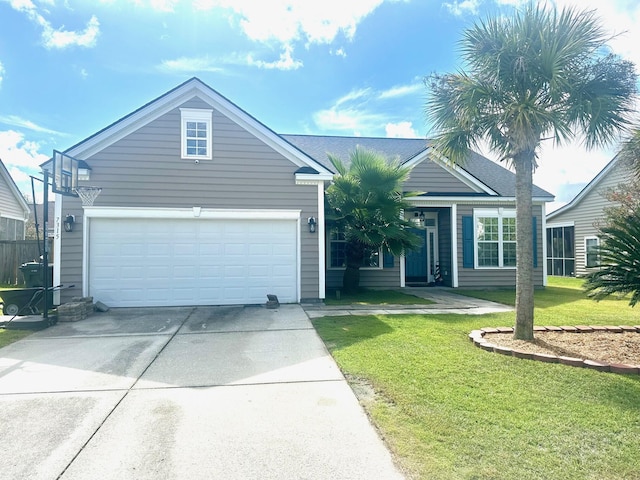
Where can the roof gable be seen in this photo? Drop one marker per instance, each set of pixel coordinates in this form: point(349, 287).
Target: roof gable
point(591, 186)
point(173, 99)
point(478, 172)
point(5, 178)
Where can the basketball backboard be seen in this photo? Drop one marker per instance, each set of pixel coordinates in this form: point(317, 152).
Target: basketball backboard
point(65, 174)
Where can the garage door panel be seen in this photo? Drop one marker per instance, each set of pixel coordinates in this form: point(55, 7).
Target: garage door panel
point(157, 262)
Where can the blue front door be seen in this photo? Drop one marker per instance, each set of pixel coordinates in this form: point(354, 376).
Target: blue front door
point(416, 260)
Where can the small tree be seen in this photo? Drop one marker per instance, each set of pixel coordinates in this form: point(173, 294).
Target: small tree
point(619, 260)
point(366, 205)
point(540, 74)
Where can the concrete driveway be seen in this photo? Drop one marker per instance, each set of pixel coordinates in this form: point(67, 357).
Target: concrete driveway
point(183, 393)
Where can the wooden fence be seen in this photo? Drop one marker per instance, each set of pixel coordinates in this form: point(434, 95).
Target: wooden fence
point(15, 253)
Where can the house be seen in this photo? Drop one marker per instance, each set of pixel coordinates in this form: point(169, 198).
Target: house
point(14, 210)
point(572, 230)
point(202, 204)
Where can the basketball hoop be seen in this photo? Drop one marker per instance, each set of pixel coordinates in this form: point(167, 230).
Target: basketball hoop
point(88, 194)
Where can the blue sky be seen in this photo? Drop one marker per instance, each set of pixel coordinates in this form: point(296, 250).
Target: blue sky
point(350, 67)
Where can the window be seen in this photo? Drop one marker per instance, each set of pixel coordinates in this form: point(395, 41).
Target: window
point(495, 239)
point(560, 251)
point(592, 259)
point(338, 256)
point(11, 229)
point(196, 133)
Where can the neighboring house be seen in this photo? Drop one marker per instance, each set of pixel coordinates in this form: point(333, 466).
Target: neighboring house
point(30, 226)
point(14, 210)
point(572, 230)
point(202, 205)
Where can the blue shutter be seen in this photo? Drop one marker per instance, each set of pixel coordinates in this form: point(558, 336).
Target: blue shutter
point(387, 259)
point(535, 243)
point(467, 242)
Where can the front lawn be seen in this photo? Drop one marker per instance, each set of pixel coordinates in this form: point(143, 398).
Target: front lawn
point(10, 336)
point(449, 410)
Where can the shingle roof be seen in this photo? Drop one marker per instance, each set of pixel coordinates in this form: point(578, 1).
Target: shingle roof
point(496, 177)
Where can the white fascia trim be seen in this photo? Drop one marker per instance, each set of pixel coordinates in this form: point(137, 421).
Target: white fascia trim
point(86, 227)
point(195, 212)
point(320, 231)
point(454, 245)
point(312, 178)
point(544, 246)
point(13, 217)
point(559, 224)
point(461, 174)
point(57, 247)
point(445, 201)
point(298, 261)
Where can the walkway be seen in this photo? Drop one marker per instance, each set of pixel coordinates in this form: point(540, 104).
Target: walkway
point(445, 301)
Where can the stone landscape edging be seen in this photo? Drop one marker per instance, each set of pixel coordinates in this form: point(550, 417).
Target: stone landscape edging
point(477, 337)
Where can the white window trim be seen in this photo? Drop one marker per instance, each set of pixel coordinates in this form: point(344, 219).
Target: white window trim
point(586, 253)
point(329, 267)
point(196, 115)
point(500, 213)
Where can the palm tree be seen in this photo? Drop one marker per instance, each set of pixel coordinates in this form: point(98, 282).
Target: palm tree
point(619, 260)
point(540, 74)
point(365, 208)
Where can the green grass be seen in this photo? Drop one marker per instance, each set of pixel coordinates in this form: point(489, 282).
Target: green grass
point(375, 297)
point(449, 410)
point(10, 336)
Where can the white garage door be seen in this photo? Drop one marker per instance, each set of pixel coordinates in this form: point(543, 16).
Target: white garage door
point(170, 262)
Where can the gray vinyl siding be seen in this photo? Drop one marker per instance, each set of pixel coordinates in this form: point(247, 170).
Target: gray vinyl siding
point(9, 205)
point(430, 177)
point(144, 169)
point(11, 214)
point(495, 277)
point(369, 278)
point(589, 212)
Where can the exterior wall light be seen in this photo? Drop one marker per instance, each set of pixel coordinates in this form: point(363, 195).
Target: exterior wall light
point(69, 222)
point(312, 224)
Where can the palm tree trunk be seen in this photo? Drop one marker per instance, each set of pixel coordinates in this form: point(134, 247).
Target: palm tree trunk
point(354, 253)
point(524, 246)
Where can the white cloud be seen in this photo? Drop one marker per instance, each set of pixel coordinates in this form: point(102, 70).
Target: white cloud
point(15, 151)
point(22, 159)
point(340, 52)
point(16, 121)
point(288, 20)
point(464, 7)
point(361, 112)
point(619, 17)
point(402, 90)
point(191, 64)
point(59, 38)
point(163, 5)
point(400, 130)
point(564, 171)
point(1, 73)
point(285, 62)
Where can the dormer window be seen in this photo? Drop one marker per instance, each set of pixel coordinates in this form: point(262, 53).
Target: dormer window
point(196, 133)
